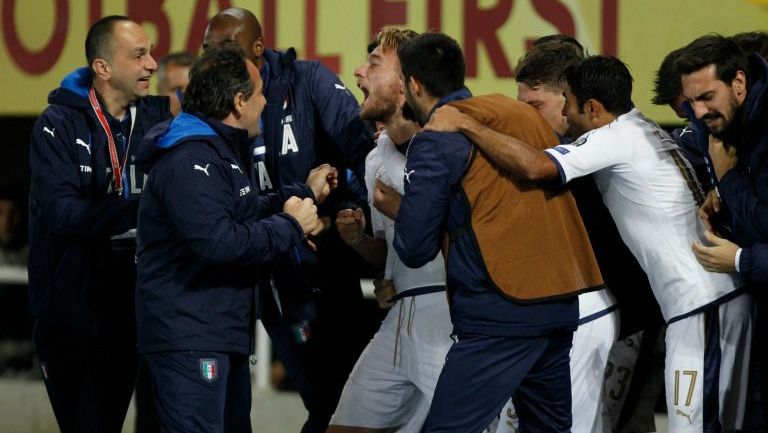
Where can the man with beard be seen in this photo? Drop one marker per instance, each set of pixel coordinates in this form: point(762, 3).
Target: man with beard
point(727, 92)
point(517, 254)
point(393, 382)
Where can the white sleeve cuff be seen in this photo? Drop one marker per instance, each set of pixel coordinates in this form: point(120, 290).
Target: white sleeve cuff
point(738, 256)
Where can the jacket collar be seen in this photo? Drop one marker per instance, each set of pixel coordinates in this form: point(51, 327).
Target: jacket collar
point(457, 95)
point(757, 95)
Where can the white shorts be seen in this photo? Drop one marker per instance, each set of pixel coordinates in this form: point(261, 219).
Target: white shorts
point(618, 376)
point(394, 379)
point(707, 366)
point(592, 343)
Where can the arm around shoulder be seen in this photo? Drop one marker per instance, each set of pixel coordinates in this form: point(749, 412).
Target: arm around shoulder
point(511, 154)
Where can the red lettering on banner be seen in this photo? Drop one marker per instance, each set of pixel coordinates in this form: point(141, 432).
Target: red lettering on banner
point(94, 11)
point(269, 23)
point(200, 23)
point(434, 15)
point(610, 27)
point(310, 39)
point(481, 25)
point(143, 11)
point(555, 13)
point(35, 62)
point(387, 12)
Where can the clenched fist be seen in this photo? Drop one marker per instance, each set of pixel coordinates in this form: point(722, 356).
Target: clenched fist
point(305, 212)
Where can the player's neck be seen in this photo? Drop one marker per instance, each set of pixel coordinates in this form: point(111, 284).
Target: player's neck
point(399, 129)
point(116, 103)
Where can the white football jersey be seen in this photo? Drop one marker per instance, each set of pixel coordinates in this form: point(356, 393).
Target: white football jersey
point(650, 191)
point(386, 163)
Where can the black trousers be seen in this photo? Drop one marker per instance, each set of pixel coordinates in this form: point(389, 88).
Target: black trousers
point(89, 379)
point(90, 376)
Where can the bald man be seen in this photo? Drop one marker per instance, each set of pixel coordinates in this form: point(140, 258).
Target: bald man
point(83, 207)
point(310, 118)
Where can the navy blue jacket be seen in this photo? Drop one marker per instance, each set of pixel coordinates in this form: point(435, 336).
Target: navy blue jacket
point(686, 139)
point(310, 117)
point(433, 203)
point(203, 232)
point(73, 210)
point(745, 188)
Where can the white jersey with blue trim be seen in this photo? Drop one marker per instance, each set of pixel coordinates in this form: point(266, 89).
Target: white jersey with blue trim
point(387, 163)
point(653, 197)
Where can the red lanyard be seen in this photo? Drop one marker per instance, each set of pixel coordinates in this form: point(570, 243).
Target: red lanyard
point(117, 166)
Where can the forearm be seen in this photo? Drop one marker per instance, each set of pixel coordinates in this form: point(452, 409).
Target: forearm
point(373, 250)
point(91, 219)
point(513, 155)
point(753, 263)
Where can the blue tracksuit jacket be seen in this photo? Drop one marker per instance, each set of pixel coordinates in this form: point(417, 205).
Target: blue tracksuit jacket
point(73, 209)
point(203, 233)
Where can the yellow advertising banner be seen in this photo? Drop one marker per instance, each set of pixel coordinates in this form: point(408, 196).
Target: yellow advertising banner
point(42, 40)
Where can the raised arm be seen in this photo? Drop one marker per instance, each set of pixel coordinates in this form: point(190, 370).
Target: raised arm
point(513, 155)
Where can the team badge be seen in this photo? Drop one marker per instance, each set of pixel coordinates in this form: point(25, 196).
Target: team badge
point(580, 141)
point(209, 369)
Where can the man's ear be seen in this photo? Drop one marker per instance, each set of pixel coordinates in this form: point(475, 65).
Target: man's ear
point(102, 69)
point(593, 108)
point(238, 104)
point(739, 85)
point(416, 86)
point(257, 47)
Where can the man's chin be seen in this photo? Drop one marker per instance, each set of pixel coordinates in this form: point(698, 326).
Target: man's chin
point(716, 128)
point(140, 93)
point(374, 115)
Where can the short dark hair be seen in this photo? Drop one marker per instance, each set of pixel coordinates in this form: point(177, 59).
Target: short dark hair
point(569, 41)
point(716, 50)
point(436, 60)
point(99, 38)
point(752, 43)
point(603, 78)
point(181, 58)
point(666, 85)
point(544, 64)
point(214, 80)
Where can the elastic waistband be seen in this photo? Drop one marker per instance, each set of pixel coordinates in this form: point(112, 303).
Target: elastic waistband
point(417, 292)
point(599, 314)
point(721, 300)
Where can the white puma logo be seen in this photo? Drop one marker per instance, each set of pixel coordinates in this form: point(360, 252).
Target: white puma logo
point(84, 144)
point(683, 414)
point(408, 175)
point(235, 167)
point(204, 170)
point(50, 131)
point(685, 131)
point(340, 87)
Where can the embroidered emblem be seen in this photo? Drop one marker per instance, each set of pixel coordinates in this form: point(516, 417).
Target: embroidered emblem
point(209, 369)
